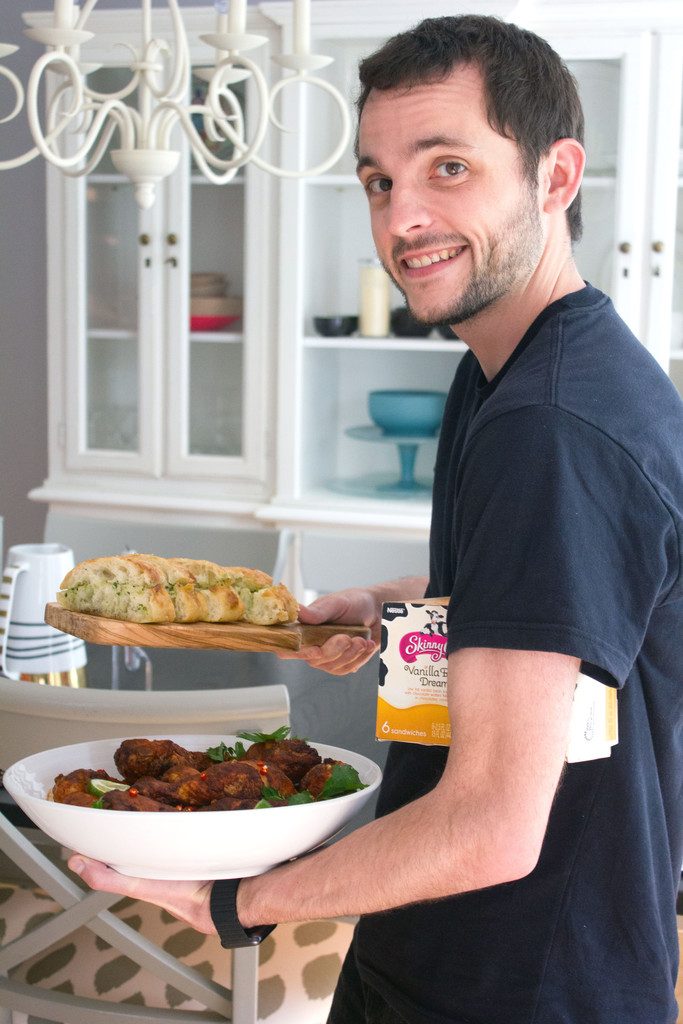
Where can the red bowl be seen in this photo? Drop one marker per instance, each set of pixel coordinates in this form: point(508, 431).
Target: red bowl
point(211, 323)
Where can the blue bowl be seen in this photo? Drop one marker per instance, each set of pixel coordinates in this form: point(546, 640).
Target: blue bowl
point(407, 412)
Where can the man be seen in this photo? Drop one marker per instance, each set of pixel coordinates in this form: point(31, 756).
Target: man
point(499, 885)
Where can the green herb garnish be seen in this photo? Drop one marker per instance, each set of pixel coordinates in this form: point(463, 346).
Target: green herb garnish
point(266, 737)
point(343, 779)
point(224, 753)
point(268, 795)
point(304, 797)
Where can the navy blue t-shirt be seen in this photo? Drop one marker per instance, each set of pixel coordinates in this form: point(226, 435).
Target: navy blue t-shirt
point(558, 526)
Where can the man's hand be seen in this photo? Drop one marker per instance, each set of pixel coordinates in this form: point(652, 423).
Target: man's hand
point(341, 654)
point(188, 901)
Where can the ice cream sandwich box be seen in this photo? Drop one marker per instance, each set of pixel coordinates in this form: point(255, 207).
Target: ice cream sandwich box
point(412, 694)
point(411, 699)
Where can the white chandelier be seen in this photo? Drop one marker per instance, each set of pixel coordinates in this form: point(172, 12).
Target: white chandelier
point(161, 75)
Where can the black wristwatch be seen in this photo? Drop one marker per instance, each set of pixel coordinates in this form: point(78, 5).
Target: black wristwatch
point(223, 907)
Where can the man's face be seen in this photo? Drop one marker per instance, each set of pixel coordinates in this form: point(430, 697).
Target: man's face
point(455, 222)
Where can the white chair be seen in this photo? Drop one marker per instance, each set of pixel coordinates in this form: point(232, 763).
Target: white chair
point(35, 718)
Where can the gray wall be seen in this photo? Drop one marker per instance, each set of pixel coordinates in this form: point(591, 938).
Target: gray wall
point(23, 329)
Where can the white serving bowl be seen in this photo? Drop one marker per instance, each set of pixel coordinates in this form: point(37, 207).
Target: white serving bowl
point(148, 844)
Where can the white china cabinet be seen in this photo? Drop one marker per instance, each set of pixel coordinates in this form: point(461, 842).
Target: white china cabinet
point(161, 326)
point(626, 57)
point(146, 413)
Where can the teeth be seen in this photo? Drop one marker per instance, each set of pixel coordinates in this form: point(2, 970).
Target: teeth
point(426, 261)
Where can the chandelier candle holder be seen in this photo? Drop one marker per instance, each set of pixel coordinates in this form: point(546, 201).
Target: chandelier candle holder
point(161, 73)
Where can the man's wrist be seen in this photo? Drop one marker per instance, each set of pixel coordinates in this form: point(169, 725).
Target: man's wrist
point(225, 916)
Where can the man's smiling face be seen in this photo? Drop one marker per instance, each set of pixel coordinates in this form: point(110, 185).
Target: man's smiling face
point(455, 222)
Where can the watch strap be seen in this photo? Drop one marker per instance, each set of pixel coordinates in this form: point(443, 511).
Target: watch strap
point(223, 907)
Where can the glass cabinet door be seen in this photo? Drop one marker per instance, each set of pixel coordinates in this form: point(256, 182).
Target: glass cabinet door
point(612, 79)
point(664, 256)
point(112, 342)
point(599, 83)
point(216, 355)
point(216, 286)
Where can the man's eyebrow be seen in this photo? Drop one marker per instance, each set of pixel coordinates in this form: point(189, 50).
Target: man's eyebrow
point(435, 141)
point(421, 146)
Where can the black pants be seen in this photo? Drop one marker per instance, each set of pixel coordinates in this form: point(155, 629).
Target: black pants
point(357, 1003)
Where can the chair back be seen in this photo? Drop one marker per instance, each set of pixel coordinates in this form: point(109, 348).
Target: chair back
point(35, 717)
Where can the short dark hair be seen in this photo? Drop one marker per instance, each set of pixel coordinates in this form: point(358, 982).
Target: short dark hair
point(531, 95)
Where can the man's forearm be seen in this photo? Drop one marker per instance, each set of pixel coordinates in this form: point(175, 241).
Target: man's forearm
point(418, 853)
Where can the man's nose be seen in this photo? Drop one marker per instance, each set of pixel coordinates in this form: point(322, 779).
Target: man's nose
point(409, 212)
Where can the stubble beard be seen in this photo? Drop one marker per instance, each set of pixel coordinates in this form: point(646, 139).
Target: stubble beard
point(512, 255)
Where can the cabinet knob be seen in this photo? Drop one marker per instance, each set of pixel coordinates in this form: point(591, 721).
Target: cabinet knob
point(658, 246)
point(172, 239)
point(144, 239)
point(624, 246)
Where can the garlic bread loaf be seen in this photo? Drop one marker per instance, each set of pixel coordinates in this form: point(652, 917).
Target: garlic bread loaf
point(148, 588)
point(119, 589)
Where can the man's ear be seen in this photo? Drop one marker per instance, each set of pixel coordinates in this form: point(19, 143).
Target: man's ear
point(560, 174)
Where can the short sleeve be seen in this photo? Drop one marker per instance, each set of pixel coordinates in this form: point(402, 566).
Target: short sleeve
point(560, 542)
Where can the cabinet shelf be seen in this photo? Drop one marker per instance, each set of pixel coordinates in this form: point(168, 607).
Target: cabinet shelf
point(387, 344)
point(324, 510)
point(220, 337)
point(107, 179)
point(114, 333)
point(199, 179)
point(335, 181)
point(599, 181)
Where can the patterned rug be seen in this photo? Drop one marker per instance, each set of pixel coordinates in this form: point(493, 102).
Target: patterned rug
point(299, 963)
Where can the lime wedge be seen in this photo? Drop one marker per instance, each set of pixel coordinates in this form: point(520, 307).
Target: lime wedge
point(98, 787)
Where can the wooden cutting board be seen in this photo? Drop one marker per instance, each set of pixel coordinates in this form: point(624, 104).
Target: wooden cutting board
point(229, 636)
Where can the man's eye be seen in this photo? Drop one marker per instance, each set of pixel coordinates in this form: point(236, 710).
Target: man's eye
point(450, 169)
point(378, 185)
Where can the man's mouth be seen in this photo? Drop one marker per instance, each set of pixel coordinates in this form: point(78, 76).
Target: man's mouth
point(427, 259)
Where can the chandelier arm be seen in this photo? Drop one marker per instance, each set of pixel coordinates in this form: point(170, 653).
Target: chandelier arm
point(202, 155)
point(180, 82)
point(125, 123)
point(211, 175)
point(215, 92)
point(161, 122)
point(341, 145)
point(18, 89)
point(53, 134)
point(98, 152)
point(121, 94)
point(212, 125)
point(167, 118)
point(84, 13)
point(53, 115)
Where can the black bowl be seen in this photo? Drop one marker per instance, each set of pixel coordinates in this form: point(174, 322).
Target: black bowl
point(447, 333)
point(335, 326)
point(403, 325)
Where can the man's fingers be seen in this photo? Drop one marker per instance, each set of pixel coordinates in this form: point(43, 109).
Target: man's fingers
point(188, 901)
point(339, 655)
point(101, 876)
